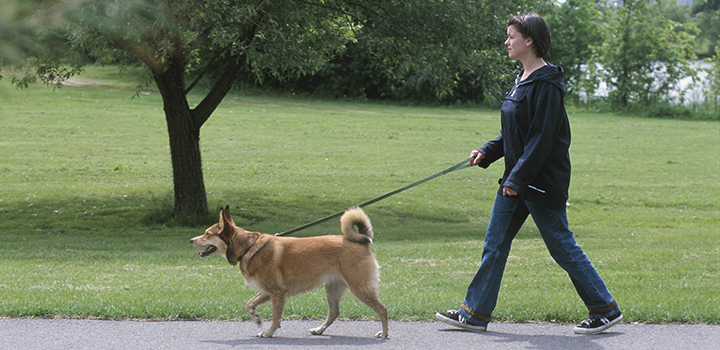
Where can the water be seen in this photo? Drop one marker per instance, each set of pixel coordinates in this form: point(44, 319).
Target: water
point(692, 91)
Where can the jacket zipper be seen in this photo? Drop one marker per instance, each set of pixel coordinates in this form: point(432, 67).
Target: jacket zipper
point(536, 189)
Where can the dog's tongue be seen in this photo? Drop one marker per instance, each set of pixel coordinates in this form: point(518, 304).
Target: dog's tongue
point(207, 251)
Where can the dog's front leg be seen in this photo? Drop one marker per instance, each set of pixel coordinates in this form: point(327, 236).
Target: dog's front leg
point(253, 303)
point(334, 291)
point(278, 306)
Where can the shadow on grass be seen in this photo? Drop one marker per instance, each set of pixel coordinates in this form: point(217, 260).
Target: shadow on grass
point(253, 210)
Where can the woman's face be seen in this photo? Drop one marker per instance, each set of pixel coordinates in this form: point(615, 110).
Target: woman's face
point(518, 47)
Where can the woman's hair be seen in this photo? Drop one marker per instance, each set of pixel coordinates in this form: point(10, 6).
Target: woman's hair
point(532, 25)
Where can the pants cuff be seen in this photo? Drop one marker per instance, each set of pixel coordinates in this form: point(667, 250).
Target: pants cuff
point(474, 314)
point(604, 311)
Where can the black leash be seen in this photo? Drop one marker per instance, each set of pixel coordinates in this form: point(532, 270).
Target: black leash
point(462, 165)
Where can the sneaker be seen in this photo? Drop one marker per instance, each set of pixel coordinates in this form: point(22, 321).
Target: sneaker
point(598, 325)
point(454, 318)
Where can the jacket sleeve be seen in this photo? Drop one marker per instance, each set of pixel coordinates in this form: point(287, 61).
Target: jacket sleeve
point(540, 138)
point(493, 150)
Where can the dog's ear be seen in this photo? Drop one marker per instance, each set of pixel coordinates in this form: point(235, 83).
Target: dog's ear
point(226, 218)
point(221, 222)
point(227, 230)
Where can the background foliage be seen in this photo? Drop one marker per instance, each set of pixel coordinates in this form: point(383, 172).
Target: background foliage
point(643, 56)
point(638, 51)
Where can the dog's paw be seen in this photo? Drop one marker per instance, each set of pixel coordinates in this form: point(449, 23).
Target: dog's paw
point(255, 318)
point(317, 331)
point(381, 334)
point(264, 335)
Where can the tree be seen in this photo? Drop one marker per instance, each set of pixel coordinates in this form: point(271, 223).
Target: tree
point(31, 36)
point(575, 28)
point(712, 95)
point(707, 15)
point(177, 39)
point(643, 54)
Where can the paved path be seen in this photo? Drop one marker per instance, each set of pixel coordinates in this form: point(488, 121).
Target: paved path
point(21, 334)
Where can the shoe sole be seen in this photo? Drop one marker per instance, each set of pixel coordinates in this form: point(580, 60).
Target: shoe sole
point(444, 319)
point(579, 330)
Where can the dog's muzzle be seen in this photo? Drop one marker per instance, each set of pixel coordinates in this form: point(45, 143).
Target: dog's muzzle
point(208, 250)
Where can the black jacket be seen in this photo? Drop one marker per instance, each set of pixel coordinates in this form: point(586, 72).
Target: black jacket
point(535, 139)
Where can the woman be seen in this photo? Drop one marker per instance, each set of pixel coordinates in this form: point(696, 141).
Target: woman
point(534, 140)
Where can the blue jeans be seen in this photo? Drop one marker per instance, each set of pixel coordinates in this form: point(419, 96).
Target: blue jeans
point(507, 217)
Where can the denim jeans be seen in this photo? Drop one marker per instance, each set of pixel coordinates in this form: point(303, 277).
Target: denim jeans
point(507, 217)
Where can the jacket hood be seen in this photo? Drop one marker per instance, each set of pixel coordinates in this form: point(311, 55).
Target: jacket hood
point(549, 73)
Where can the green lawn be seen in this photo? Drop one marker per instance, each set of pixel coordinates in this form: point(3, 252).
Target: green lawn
point(86, 184)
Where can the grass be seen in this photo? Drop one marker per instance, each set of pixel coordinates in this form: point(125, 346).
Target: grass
point(85, 185)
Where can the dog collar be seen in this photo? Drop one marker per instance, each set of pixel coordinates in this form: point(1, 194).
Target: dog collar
point(225, 240)
point(243, 254)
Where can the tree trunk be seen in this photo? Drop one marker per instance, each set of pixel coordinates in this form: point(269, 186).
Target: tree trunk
point(184, 135)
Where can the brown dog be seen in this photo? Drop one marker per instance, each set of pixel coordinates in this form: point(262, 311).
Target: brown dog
point(279, 267)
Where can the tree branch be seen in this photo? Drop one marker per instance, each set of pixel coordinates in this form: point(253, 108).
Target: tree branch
point(144, 54)
point(200, 37)
point(205, 70)
point(208, 105)
point(341, 9)
point(202, 112)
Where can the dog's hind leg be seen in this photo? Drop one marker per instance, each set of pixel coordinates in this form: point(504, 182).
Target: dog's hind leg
point(373, 302)
point(334, 289)
point(278, 306)
point(367, 293)
point(253, 303)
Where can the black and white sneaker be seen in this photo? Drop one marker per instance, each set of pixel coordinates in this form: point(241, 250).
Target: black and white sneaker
point(454, 318)
point(598, 325)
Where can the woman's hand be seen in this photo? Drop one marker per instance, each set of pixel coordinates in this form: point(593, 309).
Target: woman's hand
point(509, 192)
point(477, 157)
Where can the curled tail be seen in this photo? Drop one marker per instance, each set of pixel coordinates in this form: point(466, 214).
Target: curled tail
point(355, 216)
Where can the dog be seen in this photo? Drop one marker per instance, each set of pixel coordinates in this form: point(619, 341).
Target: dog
point(279, 267)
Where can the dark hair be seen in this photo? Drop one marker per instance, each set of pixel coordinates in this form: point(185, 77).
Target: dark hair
point(534, 26)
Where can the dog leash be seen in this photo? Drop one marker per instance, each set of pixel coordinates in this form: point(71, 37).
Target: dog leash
point(462, 165)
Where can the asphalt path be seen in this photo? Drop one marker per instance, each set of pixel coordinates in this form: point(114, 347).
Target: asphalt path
point(180, 335)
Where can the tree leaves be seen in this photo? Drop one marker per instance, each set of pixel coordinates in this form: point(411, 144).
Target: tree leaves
point(643, 55)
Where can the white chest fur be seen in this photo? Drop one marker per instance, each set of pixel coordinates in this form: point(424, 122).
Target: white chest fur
point(252, 284)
